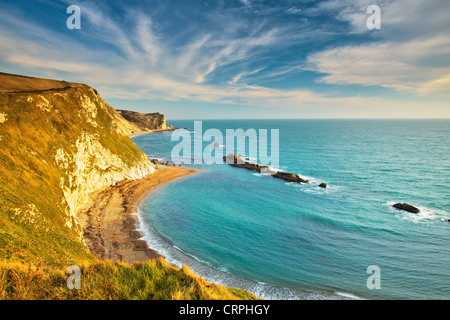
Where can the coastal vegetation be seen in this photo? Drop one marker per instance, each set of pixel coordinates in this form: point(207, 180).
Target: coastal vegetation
point(107, 280)
point(59, 143)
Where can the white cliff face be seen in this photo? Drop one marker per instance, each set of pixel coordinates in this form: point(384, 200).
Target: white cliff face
point(40, 102)
point(164, 125)
point(88, 165)
point(59, 144)
point(3, 117)
point(92, 167)
point(69, 143)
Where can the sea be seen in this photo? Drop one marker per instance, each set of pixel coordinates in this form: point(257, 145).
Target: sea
point(285, 240)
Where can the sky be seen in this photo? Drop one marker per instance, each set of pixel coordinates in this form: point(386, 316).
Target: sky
point(240, 59)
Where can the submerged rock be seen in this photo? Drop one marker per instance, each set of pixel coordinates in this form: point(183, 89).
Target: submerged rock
point(406, 207)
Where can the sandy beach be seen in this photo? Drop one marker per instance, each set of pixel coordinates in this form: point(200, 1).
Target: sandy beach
point(108, 220)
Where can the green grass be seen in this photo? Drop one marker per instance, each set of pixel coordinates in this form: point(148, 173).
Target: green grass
point(153, 280)
point(36, 245)
point(28, 173)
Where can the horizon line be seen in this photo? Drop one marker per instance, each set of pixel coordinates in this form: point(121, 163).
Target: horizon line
point(198, 119)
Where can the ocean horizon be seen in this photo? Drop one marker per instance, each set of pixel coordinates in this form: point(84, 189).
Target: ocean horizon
point(284, 240)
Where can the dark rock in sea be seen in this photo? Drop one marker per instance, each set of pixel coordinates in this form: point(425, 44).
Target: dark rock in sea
point(323, 185)
point(233, 160)
point(406, 207)
point(289, 177)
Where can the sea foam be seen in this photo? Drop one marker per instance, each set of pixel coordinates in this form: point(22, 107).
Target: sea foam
point(221, 275)
point(425, 215)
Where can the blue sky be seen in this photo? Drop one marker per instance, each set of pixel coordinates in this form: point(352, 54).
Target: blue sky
point(194, 59)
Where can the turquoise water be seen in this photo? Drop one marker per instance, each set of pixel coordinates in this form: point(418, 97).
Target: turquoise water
point(284, 240)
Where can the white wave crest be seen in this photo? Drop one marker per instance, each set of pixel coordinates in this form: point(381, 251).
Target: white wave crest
point(425, 215)
point(313, 187)
point(221, 275)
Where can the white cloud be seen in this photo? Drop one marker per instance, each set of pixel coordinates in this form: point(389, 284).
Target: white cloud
point(146, 65)
point(294, 11)
point(147, 40)
point(440, 85)
point(399, 18)
point(241, 75)
point(403, 66)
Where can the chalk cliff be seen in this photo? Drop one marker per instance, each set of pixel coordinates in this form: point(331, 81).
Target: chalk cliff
point(59, 142)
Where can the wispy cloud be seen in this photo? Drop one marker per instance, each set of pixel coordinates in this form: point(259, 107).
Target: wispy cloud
point(143, 60)
point(407, 67)
point(229, 56)
point(242, 75)
point(410, 54)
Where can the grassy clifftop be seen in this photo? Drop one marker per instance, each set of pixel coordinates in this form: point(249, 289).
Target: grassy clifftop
point(12, 83)
point(56, 147)
point(154, 280)
point(59, 141)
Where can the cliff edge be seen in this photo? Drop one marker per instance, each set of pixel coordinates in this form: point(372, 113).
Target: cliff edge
point(59, 142)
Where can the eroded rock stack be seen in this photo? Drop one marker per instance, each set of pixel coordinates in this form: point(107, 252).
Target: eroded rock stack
point(234, 160)
point(406, 207)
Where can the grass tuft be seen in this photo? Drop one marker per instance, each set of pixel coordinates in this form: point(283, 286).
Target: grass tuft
point(152, 280)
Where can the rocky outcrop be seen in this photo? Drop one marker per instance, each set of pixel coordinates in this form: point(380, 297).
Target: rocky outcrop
point(289, 177)
point(406, 207)
point(146, 121)
point(163, 163)
point(236, 161)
